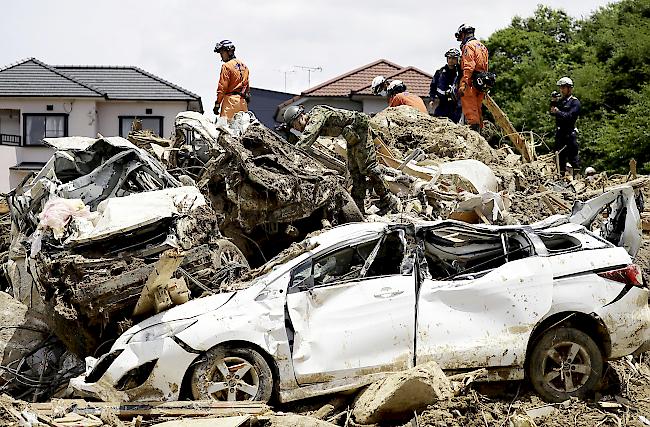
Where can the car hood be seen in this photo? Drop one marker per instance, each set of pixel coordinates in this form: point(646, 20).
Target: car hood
point(190, 309)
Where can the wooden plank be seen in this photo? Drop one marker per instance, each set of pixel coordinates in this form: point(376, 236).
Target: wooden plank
point(127, 410)
point(549, 205)
point(504, 123)
point(481, 216)
point(645, 221)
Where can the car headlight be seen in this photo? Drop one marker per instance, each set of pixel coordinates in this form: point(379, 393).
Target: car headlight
point(162, 330)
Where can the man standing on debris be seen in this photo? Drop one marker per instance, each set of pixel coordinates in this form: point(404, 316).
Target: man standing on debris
point(444, 91)
point(566, 109)
point(233, 92)
point(353, 126)
point(474, 60)
point(397, 94)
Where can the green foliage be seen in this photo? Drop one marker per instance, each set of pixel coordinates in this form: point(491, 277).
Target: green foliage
point(608, 57)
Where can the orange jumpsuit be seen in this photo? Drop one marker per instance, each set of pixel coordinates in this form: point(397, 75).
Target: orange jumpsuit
point(406, 98)
point(233, 84)
point(474, 58)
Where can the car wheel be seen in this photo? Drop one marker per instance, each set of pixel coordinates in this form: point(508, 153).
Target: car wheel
point(229, 262)
point(232, 374)
point(565, 363)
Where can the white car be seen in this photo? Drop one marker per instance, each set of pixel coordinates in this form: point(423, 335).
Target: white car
point(549, 302)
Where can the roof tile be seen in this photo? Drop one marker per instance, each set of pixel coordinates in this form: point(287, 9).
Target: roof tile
point(31, 77)
point(344, 84)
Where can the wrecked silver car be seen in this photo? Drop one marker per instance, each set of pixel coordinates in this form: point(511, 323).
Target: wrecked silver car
point(104, 234)
point(550, 303)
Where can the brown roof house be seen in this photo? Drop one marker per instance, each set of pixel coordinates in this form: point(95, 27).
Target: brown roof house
point(352, 89)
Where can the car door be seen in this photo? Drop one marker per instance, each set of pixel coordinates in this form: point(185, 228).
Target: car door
point(351, 313)
point(484, 321)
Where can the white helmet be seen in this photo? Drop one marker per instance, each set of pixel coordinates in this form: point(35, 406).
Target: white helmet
point(395, 87)
point(590, 171)
point(565, 81)
point(377, 84)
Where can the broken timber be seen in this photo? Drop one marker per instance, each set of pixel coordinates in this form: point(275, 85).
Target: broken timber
point(125, 410)
point(504, 123)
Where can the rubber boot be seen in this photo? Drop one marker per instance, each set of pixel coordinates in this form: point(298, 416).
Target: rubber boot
point(388, 203)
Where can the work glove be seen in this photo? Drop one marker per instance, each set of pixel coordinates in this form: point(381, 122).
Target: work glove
point(215, 109)
point(461, 89)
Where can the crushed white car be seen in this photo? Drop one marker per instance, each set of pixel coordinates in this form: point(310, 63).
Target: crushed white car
point(550, 302)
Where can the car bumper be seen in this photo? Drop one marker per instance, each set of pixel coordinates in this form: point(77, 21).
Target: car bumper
point(142, 371)
point(628, 322)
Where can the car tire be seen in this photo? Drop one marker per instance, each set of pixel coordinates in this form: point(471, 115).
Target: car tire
point(230, 373)
point(227, 254)
point(229, 262)
point(564, 363)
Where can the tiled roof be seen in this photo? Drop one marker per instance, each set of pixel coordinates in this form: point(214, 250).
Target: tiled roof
point(31, 77)
point(130, 83)
point(344, 84)
point(416, 81)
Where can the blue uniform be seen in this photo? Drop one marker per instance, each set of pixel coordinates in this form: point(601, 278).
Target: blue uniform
point(566, 134)
point(444, 87)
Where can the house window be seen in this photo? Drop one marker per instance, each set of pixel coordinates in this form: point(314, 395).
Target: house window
point(39, 126)
point(152, 123)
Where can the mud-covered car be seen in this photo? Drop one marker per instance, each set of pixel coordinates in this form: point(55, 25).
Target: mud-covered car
point(550, 302)
point(96, 225)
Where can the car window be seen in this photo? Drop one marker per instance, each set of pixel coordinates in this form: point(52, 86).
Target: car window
point(301, 278)
point(344, 264)
point(454, 251)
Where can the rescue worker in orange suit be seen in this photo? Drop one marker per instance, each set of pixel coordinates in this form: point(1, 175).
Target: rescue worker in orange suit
point(474, 59)
point(233, 92)
point(397, 94)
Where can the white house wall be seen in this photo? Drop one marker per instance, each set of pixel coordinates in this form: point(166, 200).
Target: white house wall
point(86, 117)
point(81, 121)
point(110, 111)
point(374, 104)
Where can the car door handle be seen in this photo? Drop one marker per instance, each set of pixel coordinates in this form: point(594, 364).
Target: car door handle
point(388, 293)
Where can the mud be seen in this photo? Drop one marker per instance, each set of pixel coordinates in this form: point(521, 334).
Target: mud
point(405, 128)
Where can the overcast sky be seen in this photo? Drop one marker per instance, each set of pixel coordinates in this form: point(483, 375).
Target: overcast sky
point(174, 39)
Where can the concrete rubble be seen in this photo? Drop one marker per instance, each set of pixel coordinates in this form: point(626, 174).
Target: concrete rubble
point(230, 196)
point(397, 396)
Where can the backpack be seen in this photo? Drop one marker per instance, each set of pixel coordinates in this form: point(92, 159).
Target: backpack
point(484, 80)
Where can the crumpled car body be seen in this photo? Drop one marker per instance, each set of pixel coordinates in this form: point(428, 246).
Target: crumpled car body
point(268, 193)
point(91, 225)
point(364, 299)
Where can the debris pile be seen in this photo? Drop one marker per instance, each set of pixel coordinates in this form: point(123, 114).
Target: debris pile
point(404, 128)
point(93, 227)
point(418, 152)
point(110, 232)
point(267, 193)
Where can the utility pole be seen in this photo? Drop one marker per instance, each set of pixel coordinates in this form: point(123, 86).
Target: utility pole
point(309, 71)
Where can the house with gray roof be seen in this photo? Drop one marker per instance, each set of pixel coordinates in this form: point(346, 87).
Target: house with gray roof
point(38, 100)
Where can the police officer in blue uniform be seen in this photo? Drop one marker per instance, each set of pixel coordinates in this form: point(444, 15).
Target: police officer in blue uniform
point(443, 90)
point(566, 109)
